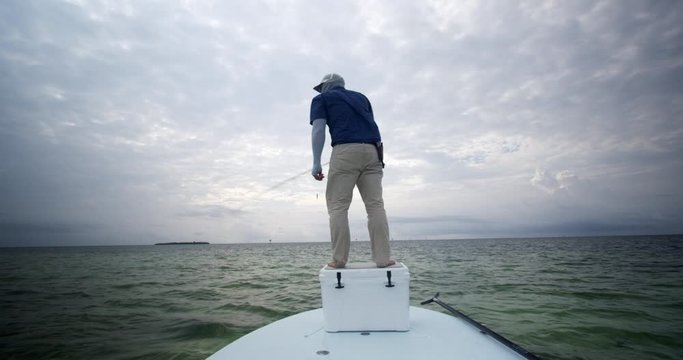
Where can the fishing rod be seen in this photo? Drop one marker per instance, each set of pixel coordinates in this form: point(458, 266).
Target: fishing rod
point(483, 329)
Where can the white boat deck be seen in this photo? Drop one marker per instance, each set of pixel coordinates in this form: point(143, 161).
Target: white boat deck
point(432, 335)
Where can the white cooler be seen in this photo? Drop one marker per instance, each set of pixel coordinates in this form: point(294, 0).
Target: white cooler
point(362, 297)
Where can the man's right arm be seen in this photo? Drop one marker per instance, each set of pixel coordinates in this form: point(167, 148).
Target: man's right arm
point(317, 144)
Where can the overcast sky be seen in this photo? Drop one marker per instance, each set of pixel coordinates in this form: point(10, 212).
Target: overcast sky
point(133, 122)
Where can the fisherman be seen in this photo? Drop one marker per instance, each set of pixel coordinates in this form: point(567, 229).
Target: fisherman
point(356, 160)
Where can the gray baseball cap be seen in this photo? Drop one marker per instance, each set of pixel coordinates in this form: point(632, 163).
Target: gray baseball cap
point(329, 78)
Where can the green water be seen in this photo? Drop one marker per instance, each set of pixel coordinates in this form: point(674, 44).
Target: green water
point(568, 298)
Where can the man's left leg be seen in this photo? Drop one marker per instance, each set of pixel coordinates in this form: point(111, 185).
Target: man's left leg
point(340, 183)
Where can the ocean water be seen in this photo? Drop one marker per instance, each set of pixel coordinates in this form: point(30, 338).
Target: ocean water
point(561, 298)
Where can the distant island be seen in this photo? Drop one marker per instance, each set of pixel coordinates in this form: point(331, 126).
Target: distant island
point(184, 243)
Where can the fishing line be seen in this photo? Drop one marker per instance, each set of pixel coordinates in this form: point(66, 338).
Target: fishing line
point(290, 179)
point(281, 184)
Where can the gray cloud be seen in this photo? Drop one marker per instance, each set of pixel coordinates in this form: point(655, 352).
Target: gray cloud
point(131, 122)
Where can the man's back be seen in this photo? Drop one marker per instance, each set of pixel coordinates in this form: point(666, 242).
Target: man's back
point(349, 116)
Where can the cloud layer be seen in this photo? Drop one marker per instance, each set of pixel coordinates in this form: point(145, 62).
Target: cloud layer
point(127, 122)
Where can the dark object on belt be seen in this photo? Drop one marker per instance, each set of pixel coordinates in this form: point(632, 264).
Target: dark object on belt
point(380, 152)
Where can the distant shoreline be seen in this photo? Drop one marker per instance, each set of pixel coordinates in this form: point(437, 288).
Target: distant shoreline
point(184, 243)
point(549, 237)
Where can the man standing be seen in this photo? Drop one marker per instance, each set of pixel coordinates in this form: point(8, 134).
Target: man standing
point(356, 160)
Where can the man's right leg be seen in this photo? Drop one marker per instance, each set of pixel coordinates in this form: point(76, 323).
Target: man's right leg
point(370, 188)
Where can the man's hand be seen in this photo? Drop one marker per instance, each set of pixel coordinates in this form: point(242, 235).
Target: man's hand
point(317, 172)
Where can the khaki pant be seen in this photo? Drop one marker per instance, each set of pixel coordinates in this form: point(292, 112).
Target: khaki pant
point(356, 165)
